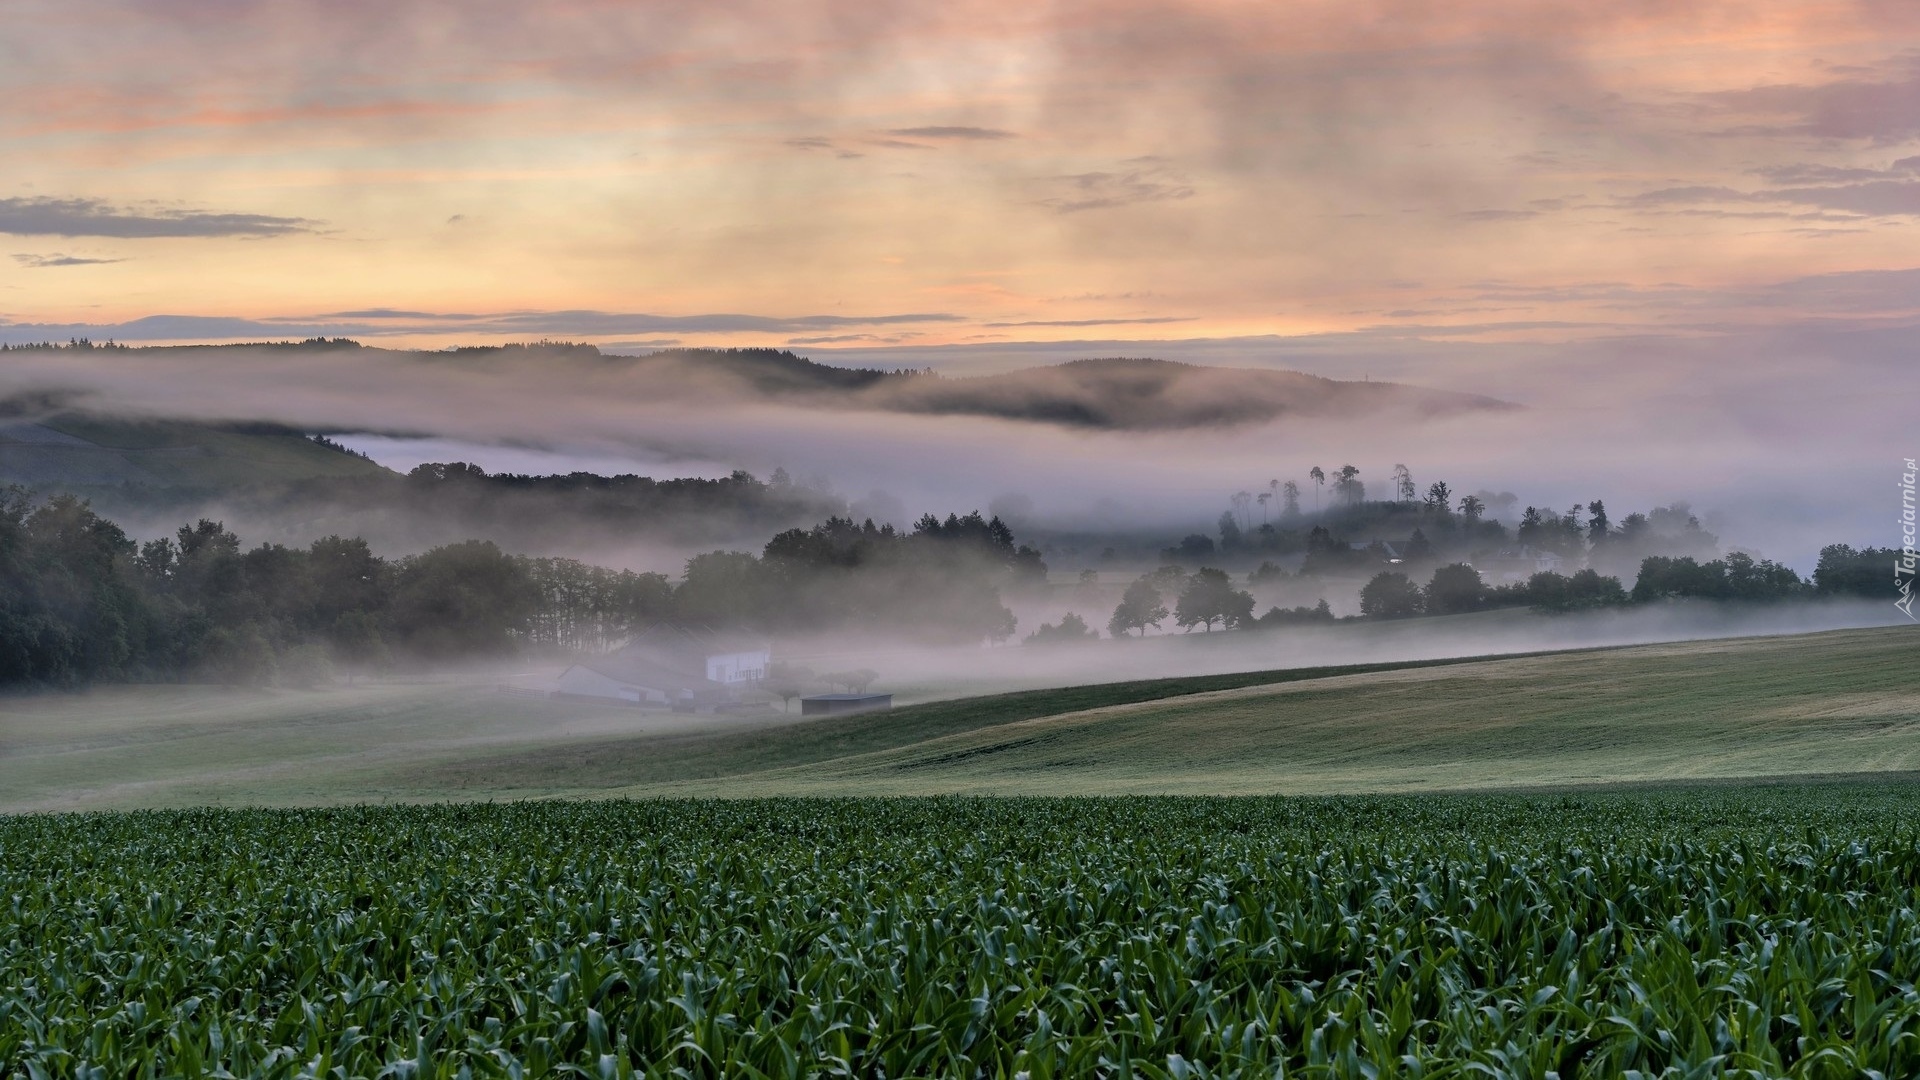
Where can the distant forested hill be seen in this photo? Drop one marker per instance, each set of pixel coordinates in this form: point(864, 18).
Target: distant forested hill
point(1112, 393)
point(72, 451)
point(287, 486)
point(1142, 394)
point(1115, 393)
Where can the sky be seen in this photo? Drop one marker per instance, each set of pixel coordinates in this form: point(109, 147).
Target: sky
point(826, 174)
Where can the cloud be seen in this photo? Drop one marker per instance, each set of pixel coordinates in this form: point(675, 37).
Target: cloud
point(839, 339)
point(948, 132)
point(1092, 322)
point(94, 217)
point(1850, 292)
point(387, 322)
point(1879, 198)
point(39, 262)
point(1107, 190)
point(810, 143)
point(375, 313)
point(1807, 173)
point(1884, 110)
point(1873, 198)
point(1497, 215)
point(603, 322)
point(1479, 329)
point(1692, 193)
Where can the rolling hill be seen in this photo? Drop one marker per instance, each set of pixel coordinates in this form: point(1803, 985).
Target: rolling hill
point(80, 452)
point(1111, 393)
point(1114, 393)
point(1841, 703)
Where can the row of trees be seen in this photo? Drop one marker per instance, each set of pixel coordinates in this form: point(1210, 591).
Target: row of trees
point(1458, 588)
point(1203, 598)
point(1280, 502)
point(1208, 597)
point(1441, 525)
point(80, 601)
point(444, 502)
point(939, 581)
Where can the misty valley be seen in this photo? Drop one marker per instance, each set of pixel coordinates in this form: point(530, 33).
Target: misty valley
point(88, 603)
point(787, 781)
point(171, 576)
point(1147, 540)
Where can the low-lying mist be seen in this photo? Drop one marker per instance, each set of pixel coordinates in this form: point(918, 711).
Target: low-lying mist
point(921, 674)
point(1780, 456)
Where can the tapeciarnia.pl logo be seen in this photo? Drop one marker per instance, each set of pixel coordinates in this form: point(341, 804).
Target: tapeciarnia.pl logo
point(1903, 567)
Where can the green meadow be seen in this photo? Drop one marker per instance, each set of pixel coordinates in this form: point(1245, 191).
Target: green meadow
point(1835, 703)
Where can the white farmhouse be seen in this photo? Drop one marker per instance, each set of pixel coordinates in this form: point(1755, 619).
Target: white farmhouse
point(742, 666)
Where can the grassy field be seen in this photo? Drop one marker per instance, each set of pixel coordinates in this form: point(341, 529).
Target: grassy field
point(1742, 931)
point(147, 746)
point(1832, 703)
point(1653, 922)
point(1816, 704)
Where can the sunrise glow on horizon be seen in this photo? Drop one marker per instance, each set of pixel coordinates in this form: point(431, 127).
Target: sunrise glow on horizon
point(831, 175)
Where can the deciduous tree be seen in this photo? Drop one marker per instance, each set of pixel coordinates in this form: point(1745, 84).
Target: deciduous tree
point(1390, 596)
point(1140, 607)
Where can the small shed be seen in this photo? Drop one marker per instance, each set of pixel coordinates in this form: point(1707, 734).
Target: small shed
point(840, 704)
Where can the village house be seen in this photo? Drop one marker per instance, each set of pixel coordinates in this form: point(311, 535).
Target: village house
point(1517, 564)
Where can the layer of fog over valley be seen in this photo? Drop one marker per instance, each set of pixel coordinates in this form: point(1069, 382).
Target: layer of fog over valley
point(1101, 459)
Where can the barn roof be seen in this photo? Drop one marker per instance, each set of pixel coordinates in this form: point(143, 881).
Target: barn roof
point(639, 671)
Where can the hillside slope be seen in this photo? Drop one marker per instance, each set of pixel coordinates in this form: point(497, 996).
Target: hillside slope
point(1841, 702)
point(1144, 394)
point(1107, 393)
point(1115, 393)
point(70, 452)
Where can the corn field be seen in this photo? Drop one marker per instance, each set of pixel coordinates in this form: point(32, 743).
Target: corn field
point(1682, 933)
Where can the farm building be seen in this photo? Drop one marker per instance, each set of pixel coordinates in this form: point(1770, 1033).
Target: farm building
point(1518, 564)
point(730, 660)
point(669, 666)
point(637, 682)
point(837, 704)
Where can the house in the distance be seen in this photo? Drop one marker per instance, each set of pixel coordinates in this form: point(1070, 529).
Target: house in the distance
point(841, 704)
point(1516, 564)
point(635, 681)
point(684, 669)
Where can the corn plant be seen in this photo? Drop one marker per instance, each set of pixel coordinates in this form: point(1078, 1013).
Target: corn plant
point(1705, 932)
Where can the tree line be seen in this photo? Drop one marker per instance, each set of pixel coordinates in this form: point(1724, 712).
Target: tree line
point(1207, 597)
point(1438, 523)
point(81, 601)
point(440, 502)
